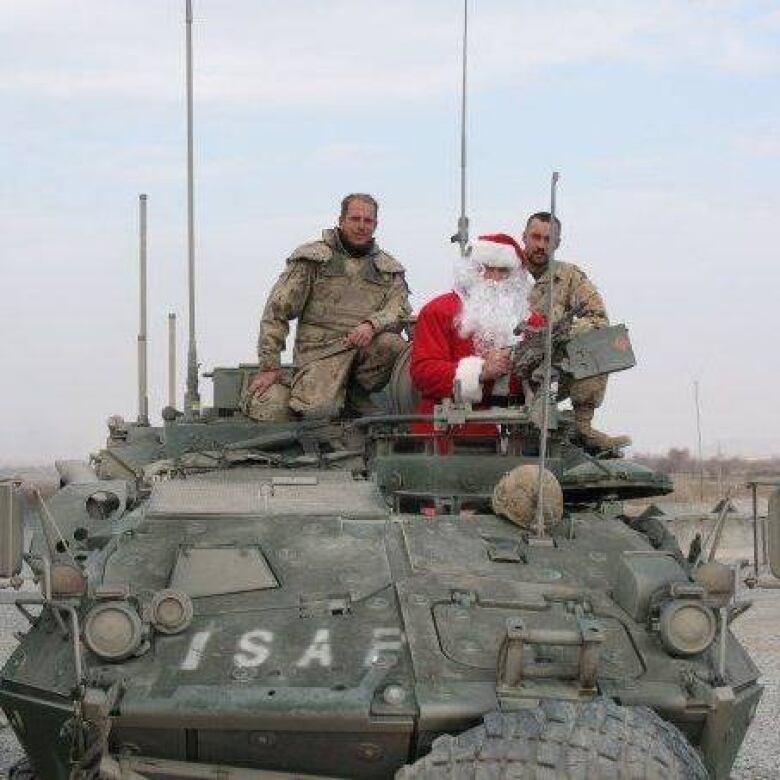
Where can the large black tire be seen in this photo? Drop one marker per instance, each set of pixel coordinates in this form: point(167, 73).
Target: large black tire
point(561, 740)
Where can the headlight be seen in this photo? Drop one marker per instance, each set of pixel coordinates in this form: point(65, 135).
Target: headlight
point(113, 630)
point(687, 627)
point(171, 611)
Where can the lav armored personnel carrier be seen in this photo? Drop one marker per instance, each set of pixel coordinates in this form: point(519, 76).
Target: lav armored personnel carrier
point(222, 598)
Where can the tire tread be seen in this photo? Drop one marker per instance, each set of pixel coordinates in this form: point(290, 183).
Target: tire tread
point(561, 740)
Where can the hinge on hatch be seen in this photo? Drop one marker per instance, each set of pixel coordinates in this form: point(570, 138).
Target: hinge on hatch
point(318, 604)
point(464, 598)
point(506, 550)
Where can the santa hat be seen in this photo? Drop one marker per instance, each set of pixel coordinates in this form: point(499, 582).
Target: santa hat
point(497, 250)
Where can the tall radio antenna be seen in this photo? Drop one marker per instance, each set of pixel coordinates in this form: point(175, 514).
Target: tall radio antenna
point(462, 236)
point(192, 396)
point(143, 397)
point(547, 375)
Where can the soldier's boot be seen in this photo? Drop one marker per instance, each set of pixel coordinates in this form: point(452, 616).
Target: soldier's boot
point(595, 439)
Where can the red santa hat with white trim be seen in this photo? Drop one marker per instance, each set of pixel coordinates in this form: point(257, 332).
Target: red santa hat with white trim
point(496, 250)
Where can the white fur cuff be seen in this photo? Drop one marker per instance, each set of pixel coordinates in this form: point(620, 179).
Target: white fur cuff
point(467, 373)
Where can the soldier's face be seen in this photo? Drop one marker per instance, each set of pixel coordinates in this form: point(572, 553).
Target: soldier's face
point(537, 243)
point(358, 225)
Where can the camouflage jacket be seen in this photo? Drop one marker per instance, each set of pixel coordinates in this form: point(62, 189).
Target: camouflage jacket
point(572, 289)
point(330, 293)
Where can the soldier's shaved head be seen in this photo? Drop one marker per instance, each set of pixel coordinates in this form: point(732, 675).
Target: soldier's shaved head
point(363, 197)
point(543, 216)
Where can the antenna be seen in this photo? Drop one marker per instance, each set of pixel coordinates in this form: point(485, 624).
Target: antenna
point(547, 380)
point(192, 396)
point(698, 435)
point(462, 236)
point(172, 360)
point(143, 397)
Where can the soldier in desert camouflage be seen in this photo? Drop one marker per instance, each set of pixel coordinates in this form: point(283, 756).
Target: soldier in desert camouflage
point(350, 300)
point(572, 290)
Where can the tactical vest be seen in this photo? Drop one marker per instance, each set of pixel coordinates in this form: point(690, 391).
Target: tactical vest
point(537, 297)
point(339, 301)
point(568, 292)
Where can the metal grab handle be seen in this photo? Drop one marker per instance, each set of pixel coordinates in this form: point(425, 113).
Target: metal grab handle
point(512, 664)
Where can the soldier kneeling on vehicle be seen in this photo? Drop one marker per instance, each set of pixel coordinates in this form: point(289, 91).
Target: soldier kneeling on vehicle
point(351, 301)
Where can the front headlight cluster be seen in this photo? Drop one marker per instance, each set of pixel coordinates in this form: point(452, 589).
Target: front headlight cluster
point(117, 630)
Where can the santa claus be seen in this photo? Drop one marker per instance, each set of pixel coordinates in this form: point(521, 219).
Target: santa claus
point(462, 338)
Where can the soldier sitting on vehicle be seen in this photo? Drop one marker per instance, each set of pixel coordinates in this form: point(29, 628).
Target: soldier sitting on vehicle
point(350, 300)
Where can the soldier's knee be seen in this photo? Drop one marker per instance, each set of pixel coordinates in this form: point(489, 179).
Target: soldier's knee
point(387, 347)
point(319, 409)
point(588, 392)
point(271, 406)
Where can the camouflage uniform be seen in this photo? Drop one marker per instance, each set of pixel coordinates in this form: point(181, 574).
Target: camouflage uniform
point(574, 289)
point(330, 293)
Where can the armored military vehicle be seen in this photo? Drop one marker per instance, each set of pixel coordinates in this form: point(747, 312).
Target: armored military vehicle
point(219, 598)
point(339, 598)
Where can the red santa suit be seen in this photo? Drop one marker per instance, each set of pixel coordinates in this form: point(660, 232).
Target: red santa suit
point(441, 356)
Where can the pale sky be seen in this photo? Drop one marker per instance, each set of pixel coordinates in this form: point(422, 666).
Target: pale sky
point(662, 118)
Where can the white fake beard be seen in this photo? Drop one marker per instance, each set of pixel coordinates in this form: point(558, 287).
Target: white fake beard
point(491, 310)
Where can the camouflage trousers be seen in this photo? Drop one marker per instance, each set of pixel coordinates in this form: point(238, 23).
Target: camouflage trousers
point(328, 386)
point(271, 406)
point(339, 382)
point(583, 392)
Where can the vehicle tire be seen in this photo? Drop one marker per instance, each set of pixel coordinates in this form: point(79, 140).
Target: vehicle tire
point(562, 740)
point(22, 770)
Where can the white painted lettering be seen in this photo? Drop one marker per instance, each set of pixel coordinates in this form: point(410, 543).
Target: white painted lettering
point(196, 652)
point(253, 647)
point(385, 640)
point(318, 650)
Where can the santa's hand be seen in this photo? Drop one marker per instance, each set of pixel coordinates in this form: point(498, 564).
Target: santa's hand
point(361, 336)
point(498, 362)
point(535, 323)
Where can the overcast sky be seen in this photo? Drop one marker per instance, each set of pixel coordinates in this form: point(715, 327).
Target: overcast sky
point(662, 118)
